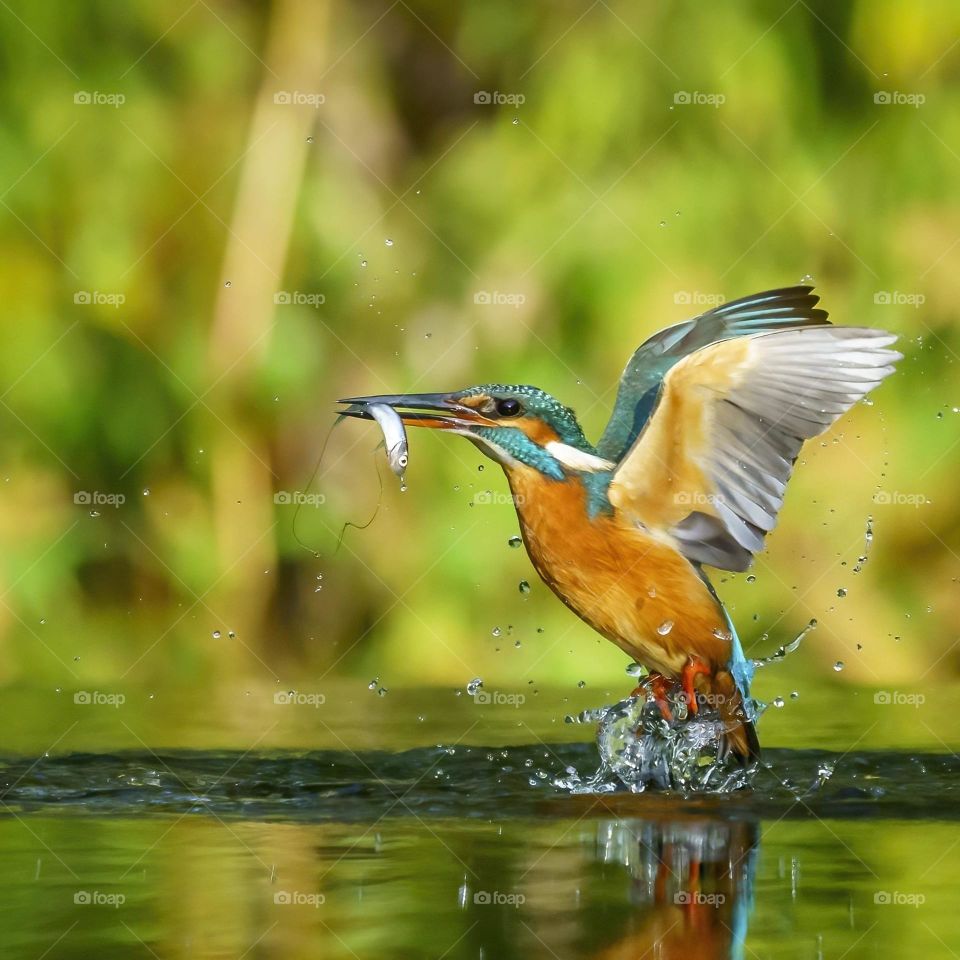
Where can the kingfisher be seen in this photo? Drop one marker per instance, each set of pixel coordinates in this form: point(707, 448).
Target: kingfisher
point(690, 472)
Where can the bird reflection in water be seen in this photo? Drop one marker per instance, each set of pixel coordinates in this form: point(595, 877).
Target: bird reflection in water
point(691, 883)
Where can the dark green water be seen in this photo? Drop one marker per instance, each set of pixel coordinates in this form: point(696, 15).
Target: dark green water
point(266, 848)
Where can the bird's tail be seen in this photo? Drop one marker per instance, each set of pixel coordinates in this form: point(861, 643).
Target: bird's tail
point(738, 736)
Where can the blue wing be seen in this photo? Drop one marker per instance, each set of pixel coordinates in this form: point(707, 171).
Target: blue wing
point(643, 376)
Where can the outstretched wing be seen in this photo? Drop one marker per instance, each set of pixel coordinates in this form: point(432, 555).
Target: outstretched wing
point(641, 380)
point(710, 468)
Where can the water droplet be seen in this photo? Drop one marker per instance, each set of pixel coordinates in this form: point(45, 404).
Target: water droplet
point(636, 670)
point(496, 631)
point(524, 587)
point(838, 666)
point(363, 263)
point(663, 223)
point(382, 692)
point(309, 139)
point(778, 701)
point(94, 513)
point(388, 242)
point(581, 684)
point(751, 579)
point(794, 695)
point(480, 468)
point(665, 627)
point(806, 278)
point(515, 121)
point(228, 284)
point(842, 592)
point(474, 685)
point(232, 634)
point(514, 542)
point(216, 634)
point(372, 685)
point(146, 491)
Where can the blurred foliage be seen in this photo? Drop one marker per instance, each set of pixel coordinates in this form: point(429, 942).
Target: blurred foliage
point(607, 207)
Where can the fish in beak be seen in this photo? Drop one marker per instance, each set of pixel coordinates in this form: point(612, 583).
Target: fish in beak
point(440, 411)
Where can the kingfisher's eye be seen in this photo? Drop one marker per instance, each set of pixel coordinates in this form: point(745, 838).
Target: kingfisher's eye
point(508, 407)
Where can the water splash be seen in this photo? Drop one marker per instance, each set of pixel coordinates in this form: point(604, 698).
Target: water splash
point(640, 750)
point(786, 649)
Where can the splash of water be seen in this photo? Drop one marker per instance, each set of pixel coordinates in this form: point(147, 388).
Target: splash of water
point(641, 751)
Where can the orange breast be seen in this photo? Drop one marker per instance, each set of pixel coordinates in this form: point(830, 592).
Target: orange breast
point(637, 591)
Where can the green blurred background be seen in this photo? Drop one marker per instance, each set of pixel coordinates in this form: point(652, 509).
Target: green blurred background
point(218, 217)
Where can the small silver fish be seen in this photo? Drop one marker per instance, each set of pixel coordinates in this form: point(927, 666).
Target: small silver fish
point(394, 435)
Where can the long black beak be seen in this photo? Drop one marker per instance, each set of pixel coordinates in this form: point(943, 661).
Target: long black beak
point(418, 409)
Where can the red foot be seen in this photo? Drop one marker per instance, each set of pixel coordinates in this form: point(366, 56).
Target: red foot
point(691, 669)
point(659, 686)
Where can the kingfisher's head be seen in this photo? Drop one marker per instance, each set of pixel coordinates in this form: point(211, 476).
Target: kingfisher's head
point(513, 425)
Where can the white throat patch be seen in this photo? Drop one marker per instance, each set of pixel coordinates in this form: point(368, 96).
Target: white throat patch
point(577, 459)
